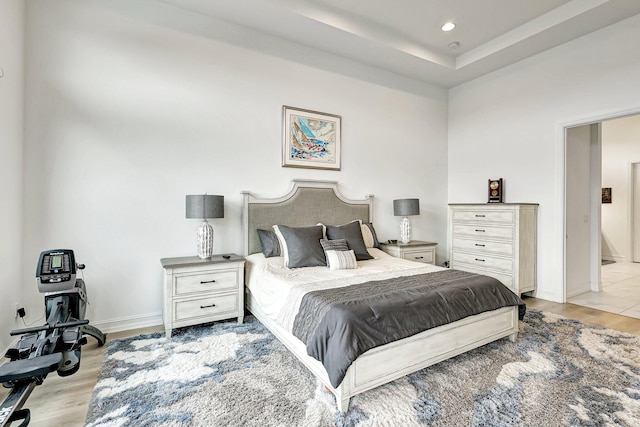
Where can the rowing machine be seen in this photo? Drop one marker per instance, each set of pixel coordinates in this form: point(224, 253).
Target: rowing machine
point(54, 346)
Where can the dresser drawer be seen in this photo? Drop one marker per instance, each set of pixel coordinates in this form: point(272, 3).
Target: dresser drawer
point(484, 261)
point(483, 246)
point(482, 216)
point(420, 256)
point(505, 279)
point(205, 281)
point(204, 307)
point(482, 231)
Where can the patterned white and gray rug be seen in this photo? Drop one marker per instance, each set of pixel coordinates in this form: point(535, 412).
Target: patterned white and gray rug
point(559, 373)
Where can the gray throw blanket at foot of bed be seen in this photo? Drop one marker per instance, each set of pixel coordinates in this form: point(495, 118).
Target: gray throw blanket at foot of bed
point(337, 325)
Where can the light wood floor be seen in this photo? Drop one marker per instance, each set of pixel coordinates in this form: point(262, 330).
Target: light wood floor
point(64, 401)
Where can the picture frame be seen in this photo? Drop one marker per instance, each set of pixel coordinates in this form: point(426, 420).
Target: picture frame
point(606, 195)
point(311, 139)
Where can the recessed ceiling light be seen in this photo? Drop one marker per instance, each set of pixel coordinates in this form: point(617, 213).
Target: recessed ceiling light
point(448, 26)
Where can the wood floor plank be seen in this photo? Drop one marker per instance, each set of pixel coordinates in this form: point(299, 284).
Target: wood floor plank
point(63, 402)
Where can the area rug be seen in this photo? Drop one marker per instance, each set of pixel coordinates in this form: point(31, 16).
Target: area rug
point(559, 372)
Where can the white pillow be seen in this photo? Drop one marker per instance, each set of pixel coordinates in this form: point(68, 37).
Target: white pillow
point(341, 260)
point(369, 235)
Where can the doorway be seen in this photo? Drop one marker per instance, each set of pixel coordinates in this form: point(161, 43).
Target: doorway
point(592, 163)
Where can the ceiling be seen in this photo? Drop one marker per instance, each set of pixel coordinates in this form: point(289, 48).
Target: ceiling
point(404, 36)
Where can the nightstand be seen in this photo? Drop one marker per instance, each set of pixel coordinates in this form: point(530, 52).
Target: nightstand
point(415, 250)
point(202, 290)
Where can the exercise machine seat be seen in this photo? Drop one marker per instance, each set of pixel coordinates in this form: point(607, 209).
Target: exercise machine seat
point(30, 368)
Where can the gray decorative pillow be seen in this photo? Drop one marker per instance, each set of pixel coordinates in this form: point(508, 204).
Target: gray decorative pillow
point(301, 246)
point(352, 233)
point(269, 243)
point(334, 245)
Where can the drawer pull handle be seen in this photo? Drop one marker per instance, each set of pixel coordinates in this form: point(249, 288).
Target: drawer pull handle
point(478, 244)
point(207, 281)
point(479, 216)
point(480, 231)
point(419, 257)
point(207, 306)
point(478, 259)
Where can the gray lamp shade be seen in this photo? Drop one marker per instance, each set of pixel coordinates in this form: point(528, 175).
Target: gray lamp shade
point(204, 206)
point(406, 207)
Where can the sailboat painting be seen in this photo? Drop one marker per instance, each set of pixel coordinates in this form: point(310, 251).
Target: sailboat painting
point(311, 139)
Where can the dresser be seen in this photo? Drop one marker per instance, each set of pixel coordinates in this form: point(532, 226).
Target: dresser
point(497, 240)
point(202, 290)
point(415, 250)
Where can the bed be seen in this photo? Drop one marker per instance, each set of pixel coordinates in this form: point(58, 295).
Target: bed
point(307, 204)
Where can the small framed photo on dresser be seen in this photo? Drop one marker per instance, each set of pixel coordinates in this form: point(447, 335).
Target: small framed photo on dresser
point(496, 191)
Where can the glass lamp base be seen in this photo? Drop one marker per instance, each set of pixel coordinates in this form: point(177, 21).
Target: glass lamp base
point(205, 240)
point(405, 230)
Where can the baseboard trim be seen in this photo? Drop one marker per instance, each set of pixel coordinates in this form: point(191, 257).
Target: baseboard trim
point(547, 296)
point(129, 322)
point(616, 258)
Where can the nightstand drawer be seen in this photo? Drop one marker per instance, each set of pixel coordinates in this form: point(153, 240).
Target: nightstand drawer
point(484, 261)
point(205, 282)
point(482, 216)
point(416, 250)
point(420, 256)
point(204, 307)
point(483, 246)
point(482, 231)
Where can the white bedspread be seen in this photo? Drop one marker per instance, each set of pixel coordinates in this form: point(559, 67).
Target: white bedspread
point(279, 290)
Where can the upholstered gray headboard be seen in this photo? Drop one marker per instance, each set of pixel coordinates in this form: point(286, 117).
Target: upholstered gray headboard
point(307, 203)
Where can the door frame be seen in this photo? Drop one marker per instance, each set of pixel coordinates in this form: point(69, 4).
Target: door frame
point(632, 223)
point(593, 142)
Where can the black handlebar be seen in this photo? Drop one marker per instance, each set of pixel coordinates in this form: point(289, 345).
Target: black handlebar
point(48, 327)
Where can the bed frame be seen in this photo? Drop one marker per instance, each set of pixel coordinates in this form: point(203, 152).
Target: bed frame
point(311, 202)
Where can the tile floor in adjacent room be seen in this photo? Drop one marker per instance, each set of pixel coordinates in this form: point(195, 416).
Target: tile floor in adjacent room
point(621, 291)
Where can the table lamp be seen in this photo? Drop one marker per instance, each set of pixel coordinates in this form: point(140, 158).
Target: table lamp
point(405, 208)
point(203, 206)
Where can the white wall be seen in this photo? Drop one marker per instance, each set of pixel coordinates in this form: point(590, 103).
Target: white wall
point(11, 123)
point(126, 116)
point(509, 124)
point(620, 147)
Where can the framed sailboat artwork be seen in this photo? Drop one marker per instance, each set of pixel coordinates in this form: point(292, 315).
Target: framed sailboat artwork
point(310, 139)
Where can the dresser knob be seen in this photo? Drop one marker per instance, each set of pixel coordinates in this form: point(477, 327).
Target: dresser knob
point(207, 281)
point(480, 231)
point(478, 244)
point(478, 259)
